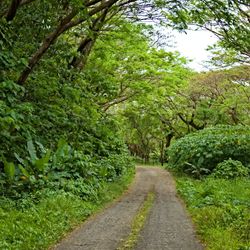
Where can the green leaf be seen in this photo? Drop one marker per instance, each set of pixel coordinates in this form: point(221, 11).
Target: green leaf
point(62, 150)
point(19, 158)
point(23, 170)
point(32, 151)
point(9, 169)
point(42, 163)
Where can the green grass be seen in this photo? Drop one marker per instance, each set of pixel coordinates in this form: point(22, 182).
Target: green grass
point(138, 223)
point(37, 223)
point(220, 209)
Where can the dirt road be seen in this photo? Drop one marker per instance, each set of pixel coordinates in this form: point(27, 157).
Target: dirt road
point(167, 226)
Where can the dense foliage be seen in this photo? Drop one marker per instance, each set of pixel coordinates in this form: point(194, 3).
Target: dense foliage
point(54, 130)
point(200, 152)
point(230, 169)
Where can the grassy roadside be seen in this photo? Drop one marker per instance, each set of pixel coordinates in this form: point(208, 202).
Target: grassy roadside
point(41, 219)
point(220, 209)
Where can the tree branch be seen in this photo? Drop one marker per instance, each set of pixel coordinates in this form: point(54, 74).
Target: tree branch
point(10, 13)
point(65, 24)
point(118, 100)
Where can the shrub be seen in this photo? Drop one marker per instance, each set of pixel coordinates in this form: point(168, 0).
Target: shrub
point(229, 169)
point(204, 149)
point(65, 168)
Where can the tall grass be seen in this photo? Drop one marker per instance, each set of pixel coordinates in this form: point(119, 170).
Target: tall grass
point(220, 209)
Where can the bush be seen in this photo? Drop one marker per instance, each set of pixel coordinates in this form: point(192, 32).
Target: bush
point(230, 169)
point(204, 149)
point(43, 168)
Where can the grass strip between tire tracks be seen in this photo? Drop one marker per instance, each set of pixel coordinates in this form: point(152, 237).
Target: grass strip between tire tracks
point(138, 223)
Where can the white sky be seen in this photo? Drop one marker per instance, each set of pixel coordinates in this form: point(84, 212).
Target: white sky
point(193, 46)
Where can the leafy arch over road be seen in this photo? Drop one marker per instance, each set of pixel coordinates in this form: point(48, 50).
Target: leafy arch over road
point(225, 18)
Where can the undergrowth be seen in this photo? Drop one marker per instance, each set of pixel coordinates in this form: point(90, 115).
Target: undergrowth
point(221, 210)
point(40, 219)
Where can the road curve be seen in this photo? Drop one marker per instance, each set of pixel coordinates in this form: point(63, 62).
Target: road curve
point(167, 227)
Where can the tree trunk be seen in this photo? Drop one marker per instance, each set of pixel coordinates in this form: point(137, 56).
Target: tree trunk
point(50, 39)
point(191, 122)
point(87, 43)
point(12, 10)
point(85, 49)
point(162, 158)
point(168, 139)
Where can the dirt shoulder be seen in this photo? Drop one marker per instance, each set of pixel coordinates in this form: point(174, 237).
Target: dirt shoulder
point(167, 227)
